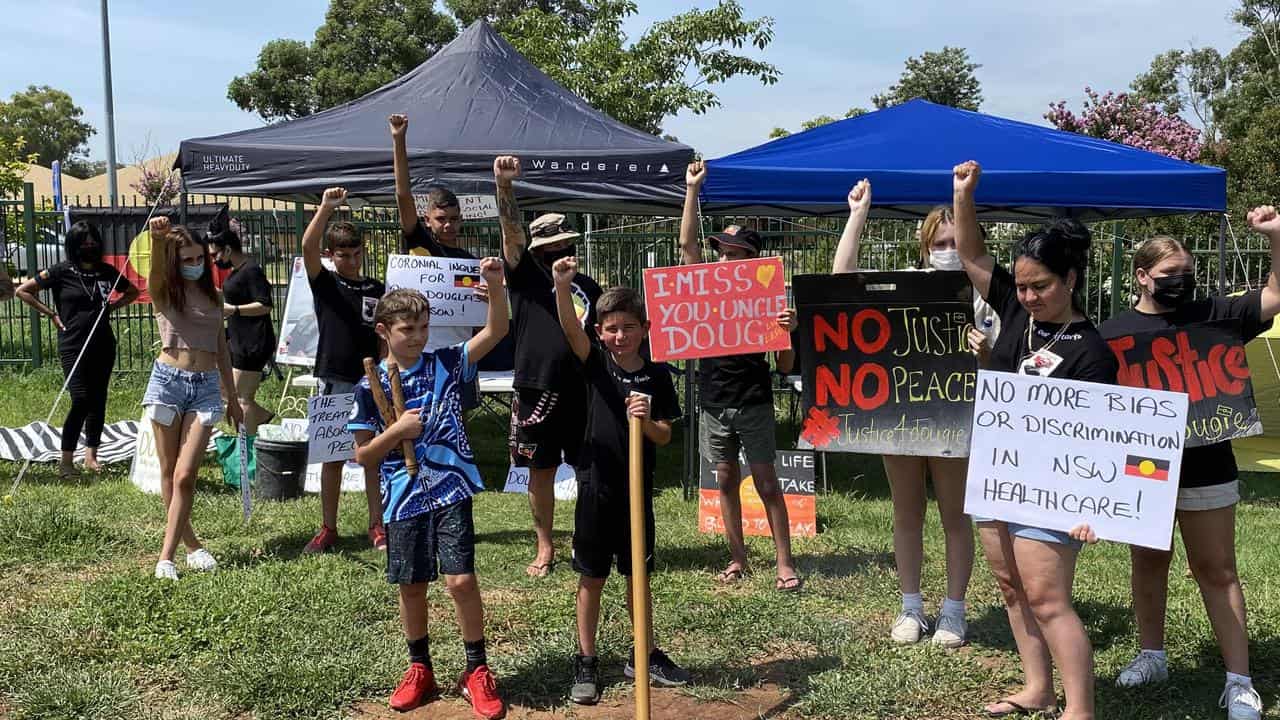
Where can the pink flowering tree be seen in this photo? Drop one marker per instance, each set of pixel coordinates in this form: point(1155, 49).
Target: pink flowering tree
point(1125, 118)
point(158, 184)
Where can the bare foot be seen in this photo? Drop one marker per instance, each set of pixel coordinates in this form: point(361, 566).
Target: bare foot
point(1022, 703)
point(92, 465)
point(543, 564)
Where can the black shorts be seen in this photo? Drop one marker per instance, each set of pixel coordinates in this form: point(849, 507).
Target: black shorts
point(602, 524)
point(545, 424)
point(251, 361)
point(441, 541)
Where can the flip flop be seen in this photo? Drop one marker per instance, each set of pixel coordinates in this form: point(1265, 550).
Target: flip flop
point(1016, 710)
point(540, 570)
point(731, 575)
point(791, 584)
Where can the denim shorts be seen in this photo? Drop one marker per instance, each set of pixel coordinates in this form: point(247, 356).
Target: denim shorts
point(1052, 537)
point(441, 541)
point(172, 393)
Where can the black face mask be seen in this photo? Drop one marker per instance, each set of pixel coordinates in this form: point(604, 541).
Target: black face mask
point(549, 257)
point(90, 254)
point(224, 264)
point(1173, 290)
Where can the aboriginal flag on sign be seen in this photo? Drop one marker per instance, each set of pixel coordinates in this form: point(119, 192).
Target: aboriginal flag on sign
point(466, 281)
point(1145, 467)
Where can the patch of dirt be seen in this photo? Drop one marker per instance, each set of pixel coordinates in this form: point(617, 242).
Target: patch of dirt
point(765, 701)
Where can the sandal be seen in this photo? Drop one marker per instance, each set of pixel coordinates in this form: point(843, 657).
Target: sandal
point(1015, 710)
point(540, 570)
point(733, 574)
point(791, 584)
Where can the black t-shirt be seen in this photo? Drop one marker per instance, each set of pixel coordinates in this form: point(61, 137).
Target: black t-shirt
point(604, 448)
point(78, 295)
point(344, 312)
point(543, 359)
point(1085, 355)
point(249, 335)
point(735, 381)
point(1208, 464)
point(420, 238)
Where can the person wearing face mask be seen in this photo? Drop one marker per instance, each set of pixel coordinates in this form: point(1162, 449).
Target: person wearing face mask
point(1208, 490)
point(907, 473)
point(246, 305)
point(549, 408)
point(82, 286)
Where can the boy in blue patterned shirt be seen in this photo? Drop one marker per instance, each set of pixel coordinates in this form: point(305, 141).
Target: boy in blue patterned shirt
point(428, 517)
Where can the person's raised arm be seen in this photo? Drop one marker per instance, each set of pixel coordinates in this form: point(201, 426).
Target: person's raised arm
point(497, 322)
point(158, 229)
point(506, 169)
point(311, 239)
point(970, 246)
point(859, 207)
point(400, 162)
point(690, 223)
point(562, 272)
point(1266, 220)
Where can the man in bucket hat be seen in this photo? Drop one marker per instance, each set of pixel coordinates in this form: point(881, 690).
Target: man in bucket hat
point(549, 407)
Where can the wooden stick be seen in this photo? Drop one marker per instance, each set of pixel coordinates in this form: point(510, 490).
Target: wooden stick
point(639, 571)
point(397, 397)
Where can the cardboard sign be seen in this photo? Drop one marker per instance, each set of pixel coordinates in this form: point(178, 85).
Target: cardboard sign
point(352, 474)
point(566, 487)
point(1056, 453)
point(144, 472)
point(1206, 361)
point(885, 362)
point(716, 309)
point(328, 439)
point(448, 283)
point(299, 330)
point(473, 207)
point(795, 475)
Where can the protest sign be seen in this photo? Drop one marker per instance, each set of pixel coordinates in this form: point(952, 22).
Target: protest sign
point(1206, 361)
point(295, 429)
point(566, 487)
point(144, 472)
point(473, 207)
point(448, 284)
point(299, 330)
point(715, 309)
point(328, 439)
point(795, 476)
point(885, 362)
point(1056, 453)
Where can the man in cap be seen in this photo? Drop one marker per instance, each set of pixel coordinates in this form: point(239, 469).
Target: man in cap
point(736, 398)
point(548, 410)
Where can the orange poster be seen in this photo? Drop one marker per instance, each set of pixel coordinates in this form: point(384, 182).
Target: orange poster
point(795, 474)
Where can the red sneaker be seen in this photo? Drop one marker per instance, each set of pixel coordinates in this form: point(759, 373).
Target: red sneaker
point(323, 540)
point(417, 687)
point(481, 688)
point(378, 536)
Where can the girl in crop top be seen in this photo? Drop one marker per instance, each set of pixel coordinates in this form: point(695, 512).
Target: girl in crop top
point(190, 380)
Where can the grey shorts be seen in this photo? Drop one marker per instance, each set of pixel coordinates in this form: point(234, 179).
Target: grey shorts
point(172, 393)
point(1212, 497)
point(724, 432)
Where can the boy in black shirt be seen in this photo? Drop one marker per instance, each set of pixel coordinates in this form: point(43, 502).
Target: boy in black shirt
point(550, 398)
point(620, 384)
point(345, 301)
point(736, 396)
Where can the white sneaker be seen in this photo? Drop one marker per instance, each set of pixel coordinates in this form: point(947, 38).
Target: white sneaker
point(1241, 701)
point(166, 570)
point(950, 631)
point(1144, 670)
point(201, 560)
point(909, 627)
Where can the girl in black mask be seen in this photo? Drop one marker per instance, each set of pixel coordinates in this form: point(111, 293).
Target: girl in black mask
point(1164, 273)
point(251, 337)
point(81, 286)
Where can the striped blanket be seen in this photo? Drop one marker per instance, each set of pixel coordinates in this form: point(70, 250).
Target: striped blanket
point(41, 442)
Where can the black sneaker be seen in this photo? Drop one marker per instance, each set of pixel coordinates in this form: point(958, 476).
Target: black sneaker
point(586, 680)
point(662, 672)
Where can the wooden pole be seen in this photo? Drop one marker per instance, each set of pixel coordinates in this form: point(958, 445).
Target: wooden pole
point(639, 571)
point(387, 410)
point(397, 397)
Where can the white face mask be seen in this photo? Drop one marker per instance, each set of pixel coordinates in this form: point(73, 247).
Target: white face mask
point(945, 260)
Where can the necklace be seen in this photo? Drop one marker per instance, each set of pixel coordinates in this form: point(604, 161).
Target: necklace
point(80, 279)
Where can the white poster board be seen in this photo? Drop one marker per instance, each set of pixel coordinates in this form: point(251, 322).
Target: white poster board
point(1057, 453)
point(566, 481)
point(473, 207)
point(144, 472)
point(328, 439)
point(299, 330)
point(448, 283)
point(352, 474)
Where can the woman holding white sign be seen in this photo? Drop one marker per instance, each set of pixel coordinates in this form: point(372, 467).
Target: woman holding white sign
point(1208, 489)
point(1043, 333)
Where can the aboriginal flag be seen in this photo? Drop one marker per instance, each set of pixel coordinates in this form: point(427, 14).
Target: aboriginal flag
point(466, 281)
point(1145, 467)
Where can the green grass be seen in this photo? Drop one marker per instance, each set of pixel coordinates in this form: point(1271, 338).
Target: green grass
point(85, 632)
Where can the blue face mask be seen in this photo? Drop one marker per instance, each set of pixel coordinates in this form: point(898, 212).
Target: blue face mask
point(192, 272)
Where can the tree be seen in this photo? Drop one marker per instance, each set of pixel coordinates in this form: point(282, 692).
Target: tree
point(13, 165)
point(778, 132)
point(48, 122)
point(1131, 120)
point(362, 45)
point(1180, 80)
point(84, 168)
point(944, 77)
point(578, 14)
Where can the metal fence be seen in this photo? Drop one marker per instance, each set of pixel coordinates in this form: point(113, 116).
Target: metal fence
point(615, 251)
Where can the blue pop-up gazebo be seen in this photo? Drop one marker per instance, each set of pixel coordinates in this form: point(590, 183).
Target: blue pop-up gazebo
point(1029, 172)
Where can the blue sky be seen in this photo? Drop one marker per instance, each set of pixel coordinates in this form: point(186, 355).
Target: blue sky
point(171, 61)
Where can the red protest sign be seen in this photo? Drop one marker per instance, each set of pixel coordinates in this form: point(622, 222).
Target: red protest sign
point(716, 309)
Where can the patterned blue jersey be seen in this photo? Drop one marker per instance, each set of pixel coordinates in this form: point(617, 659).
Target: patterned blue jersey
point(447, 471)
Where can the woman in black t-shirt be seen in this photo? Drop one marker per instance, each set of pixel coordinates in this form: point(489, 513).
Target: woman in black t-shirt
point(246, 305)
point(81, 287)
point(1044, 333)
point(1208, 490)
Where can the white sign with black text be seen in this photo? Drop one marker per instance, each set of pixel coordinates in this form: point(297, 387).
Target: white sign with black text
point(448, 283)
point(328, 439)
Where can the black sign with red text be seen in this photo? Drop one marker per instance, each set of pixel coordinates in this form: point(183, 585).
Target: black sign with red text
point(885, 362)
point(1207, 362)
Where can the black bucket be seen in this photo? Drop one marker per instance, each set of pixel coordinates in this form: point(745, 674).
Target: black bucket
point(282, 468)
